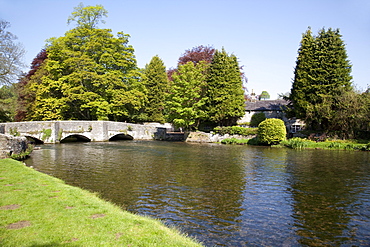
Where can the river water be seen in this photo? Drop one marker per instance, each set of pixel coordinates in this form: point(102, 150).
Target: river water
point(226, 195)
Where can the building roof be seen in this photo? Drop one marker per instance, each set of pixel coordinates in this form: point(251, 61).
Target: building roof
point(266, 105)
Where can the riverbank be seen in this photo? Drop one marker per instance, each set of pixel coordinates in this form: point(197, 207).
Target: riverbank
point(40, 210)
point(299, 143)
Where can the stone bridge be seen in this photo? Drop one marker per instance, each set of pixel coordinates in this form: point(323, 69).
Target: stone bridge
point(95, 131)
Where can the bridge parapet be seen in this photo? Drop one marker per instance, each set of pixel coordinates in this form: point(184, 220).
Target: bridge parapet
point(99, 131)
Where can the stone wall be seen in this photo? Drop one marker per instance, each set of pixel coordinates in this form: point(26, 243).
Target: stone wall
point(202, 137)
point(12, 145)
point(100, 131)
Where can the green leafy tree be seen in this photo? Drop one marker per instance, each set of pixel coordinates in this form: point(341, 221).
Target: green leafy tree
point(156, 84)
point(8, 103)
point(322, 72)
point(186, 98)
point(89, 74)
point(257, 118)
point(225, 90)
point(351, 114)
point(89, 16)
point(264, 95)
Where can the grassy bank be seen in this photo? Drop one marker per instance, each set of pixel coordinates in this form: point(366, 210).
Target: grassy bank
point(298, 143)
point(39, 210)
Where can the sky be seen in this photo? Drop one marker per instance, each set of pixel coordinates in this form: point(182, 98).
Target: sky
point(265, 35)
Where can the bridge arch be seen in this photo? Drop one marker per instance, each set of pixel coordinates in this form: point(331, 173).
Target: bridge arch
point(75, 138)
point(34, 140)
point(121, 136)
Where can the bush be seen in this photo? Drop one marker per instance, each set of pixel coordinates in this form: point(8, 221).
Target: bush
point(271, 131)
point(235, 141)
point(296, 143)
point(257, 118)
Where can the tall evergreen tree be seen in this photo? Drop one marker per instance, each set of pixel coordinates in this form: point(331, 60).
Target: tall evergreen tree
point(225, 90)
point(156, 83)
point(322, 72)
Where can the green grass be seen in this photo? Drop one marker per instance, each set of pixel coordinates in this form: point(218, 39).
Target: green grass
point(39, 210)
point(298, 143)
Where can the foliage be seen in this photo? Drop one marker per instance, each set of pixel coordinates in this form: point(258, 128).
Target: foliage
point(264, 95)
point(298, 143)
point(156, 84)
point(23, 155)
point(39, 199)
point(89, 16)
point(235, 130)
point(195, 55)
point(352, 113)
point(14, 131)
point(257, 118)
point(11, 54)
point(26, 97)
point(89, 75)
point(271, 131)
point(322, 72)
point(46, 133)
point(235, 141)
point(186, 98)
point(8, 102)
point(225, 104)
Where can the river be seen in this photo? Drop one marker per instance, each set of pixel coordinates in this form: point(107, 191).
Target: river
point(226, 195)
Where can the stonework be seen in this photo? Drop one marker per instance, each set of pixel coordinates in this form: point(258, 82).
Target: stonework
point(12, 145)
point(95, 131)
point(202, 137)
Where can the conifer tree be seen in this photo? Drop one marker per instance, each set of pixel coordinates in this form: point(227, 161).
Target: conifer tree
point(156, 83)
point(225, 90)
point(322, 72)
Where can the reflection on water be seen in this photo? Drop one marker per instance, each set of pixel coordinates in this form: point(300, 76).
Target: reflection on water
point(227, 195)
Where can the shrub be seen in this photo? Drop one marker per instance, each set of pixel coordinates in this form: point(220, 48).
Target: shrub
point(271, 131)
point(257, 118)
point(296, 143)
point(235, 141)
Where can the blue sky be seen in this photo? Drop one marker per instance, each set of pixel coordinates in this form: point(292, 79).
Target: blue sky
point(264, 34)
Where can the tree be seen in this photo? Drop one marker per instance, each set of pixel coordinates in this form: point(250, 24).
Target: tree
point(25, 96)
point(8, 104)
point(187, 95)
point(195, 55)
point(322, 72)
point(156, 84)
point(257, 118)
point(89, 16)
point(225, 103)
point(264, 95)
point(89, 74)
point(351, 114)
point(11, 55)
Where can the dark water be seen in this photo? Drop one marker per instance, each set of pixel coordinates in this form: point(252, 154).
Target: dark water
point(227, 195)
